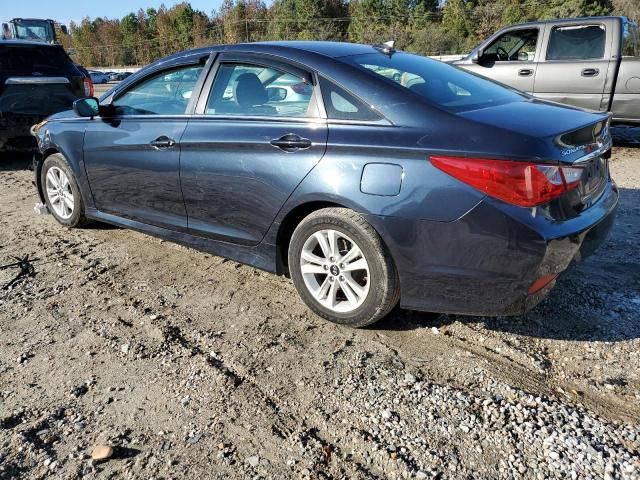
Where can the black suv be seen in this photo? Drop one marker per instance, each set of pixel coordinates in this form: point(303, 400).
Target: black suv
point(36, 80)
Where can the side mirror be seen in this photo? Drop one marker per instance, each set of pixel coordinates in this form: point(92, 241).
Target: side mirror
point(276, 94)
point(86, 107)
point(476, 57)
point(63, 29)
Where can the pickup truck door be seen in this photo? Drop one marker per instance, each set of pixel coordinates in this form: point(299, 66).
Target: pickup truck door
point(576, 64)
point(510, 57)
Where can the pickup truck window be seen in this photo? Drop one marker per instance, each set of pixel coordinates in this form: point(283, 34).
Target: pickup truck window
point(513, 46)
point(576, 42)
point(630, 47)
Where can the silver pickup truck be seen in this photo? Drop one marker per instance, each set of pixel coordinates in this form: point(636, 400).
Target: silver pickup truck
point(592, 63)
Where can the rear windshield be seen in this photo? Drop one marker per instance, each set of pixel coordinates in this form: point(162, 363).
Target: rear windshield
point(441, 84)
point(630, 40)
point(28, 60)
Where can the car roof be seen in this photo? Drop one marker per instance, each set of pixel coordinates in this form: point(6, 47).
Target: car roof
point(326, 48)
point(571, 19)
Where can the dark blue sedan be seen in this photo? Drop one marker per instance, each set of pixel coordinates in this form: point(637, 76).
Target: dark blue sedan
point(371, 176)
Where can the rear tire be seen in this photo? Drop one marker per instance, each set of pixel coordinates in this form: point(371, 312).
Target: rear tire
point(61, 192)
point(341, 268)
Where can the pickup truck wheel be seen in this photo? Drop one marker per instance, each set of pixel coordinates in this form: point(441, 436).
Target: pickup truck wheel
point(341, 268)
point(61, 192)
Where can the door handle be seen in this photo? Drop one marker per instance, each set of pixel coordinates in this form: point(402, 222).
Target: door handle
point(525, 72)
point(590, 72)
point(162, 143)
point(291, 142)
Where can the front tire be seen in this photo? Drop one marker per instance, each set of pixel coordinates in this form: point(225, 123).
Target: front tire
point(61, 192)
point(341, 268)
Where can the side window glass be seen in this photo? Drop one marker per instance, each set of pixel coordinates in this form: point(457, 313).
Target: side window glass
point(630, 47)
point(579, 42)
point(513, 46)
point(341, 105)
point(165, 93)
point(254, 90)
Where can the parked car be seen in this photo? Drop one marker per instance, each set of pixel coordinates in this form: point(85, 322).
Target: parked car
point(454, 194)
point(118, 76)
point(98, 77)
point(36, 80)
point(592, 63)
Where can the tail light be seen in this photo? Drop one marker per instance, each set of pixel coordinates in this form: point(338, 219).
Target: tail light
point(525, 184)
point(88, 86)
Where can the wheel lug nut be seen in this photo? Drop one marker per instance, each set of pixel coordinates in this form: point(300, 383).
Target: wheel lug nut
point(331, 279)
point(342, 265)
point(331, 259)
point(326, 267)
point(341, 278)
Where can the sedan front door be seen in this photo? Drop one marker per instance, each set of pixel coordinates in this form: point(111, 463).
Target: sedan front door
point(256, 134)
point(132, 157)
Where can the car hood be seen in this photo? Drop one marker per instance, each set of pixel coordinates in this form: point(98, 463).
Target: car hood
point(534, 118)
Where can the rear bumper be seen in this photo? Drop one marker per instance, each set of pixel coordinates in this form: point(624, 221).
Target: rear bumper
point(485, 262)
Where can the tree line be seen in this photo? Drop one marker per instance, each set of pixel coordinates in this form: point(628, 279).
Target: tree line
point(429, 27)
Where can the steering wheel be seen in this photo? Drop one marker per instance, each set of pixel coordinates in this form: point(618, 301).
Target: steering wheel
point(502, 54)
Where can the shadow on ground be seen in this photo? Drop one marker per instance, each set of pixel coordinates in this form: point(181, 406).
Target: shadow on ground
point(626, 136)
point(11, 161)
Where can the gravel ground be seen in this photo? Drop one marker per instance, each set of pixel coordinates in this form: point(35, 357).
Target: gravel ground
point(190, 366)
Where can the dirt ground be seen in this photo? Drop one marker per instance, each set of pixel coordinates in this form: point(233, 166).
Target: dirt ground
point(191, 366)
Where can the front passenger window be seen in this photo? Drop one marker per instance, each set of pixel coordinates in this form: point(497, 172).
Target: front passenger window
point(165, 93)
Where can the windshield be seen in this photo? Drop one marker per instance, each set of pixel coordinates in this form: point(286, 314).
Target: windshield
point(630, 40)
point(443, 85)
point(34, 30)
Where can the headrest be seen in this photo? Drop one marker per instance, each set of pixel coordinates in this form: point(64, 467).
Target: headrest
point(249, 91)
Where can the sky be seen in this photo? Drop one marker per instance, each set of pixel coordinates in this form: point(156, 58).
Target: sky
point(64, 11)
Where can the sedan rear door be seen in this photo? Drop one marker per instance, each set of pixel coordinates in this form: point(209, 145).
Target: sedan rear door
point(257, 132)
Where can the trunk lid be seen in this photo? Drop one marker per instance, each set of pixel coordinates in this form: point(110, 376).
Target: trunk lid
point(572, 137)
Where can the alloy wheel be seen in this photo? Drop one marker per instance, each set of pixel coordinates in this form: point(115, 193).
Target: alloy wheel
point(335, 271)
point(59, 193)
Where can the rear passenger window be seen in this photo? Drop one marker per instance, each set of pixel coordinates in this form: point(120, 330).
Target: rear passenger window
point(341, 105)
point(256, 90)
point(576, 42)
